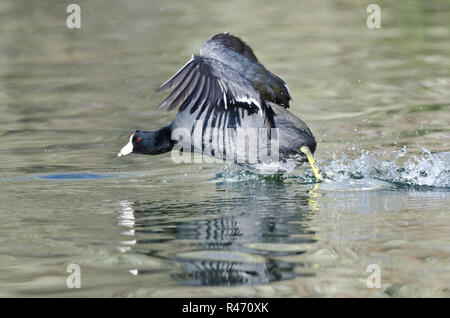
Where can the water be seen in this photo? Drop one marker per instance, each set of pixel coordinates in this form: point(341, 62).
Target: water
point(377, 101)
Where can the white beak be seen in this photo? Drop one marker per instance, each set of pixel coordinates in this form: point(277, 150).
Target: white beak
point(127, 149)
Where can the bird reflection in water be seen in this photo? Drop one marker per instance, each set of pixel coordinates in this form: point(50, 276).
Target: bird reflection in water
point(126, 219)
point(236, 237)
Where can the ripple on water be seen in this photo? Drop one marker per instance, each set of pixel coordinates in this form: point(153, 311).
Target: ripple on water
point(227, 256)
point(74, 176)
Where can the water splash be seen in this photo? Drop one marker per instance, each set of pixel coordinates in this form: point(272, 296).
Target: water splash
point(424, 170)
point(231, 173)
point(428, 169)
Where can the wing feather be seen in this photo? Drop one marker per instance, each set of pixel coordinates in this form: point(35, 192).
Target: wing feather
point(233, 52)
point(206, 84)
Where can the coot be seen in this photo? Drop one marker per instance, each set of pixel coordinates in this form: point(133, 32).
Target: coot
point(230, 107)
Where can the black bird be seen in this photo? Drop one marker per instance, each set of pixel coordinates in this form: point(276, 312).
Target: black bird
point(230, 107)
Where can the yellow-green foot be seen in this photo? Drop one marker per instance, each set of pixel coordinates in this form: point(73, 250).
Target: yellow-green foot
point(312, 162)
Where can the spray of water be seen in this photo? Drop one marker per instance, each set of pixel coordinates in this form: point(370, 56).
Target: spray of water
point(424, 170)
point(428, 169)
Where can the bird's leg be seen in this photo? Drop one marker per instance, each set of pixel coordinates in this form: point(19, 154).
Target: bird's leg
point(312, 162)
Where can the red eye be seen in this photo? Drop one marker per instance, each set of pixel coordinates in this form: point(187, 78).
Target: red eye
point(138, 139)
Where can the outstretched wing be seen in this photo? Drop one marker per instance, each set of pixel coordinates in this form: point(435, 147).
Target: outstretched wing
point(208, 84)
point(233, 52)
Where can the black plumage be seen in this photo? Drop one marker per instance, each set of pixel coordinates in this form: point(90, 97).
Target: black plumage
point(225, 87)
